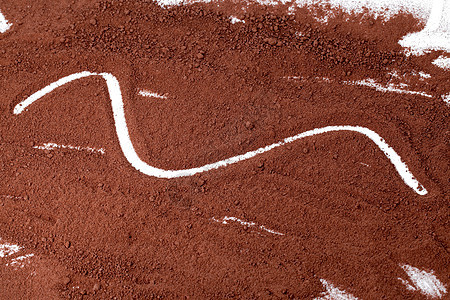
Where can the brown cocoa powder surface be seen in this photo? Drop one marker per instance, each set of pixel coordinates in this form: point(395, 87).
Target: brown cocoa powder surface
point(101, 229)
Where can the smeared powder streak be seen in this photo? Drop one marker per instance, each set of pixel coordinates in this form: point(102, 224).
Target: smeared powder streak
point(408, 286)
point(333, 293)
point(4, 24)
point(400, 88)
point(12, 197)
point(425, 282)
point(134, 159)
point(7, 249)
point(53, 146)
point(442, 62)
point(145, 93)
point(19, 262)
point(388, 88)
point(245, 223)
point(435, 36)
point(319, 79)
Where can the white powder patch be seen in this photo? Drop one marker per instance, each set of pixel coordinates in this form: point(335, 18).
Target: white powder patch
point(435, 35)
point(378, 8)
point(446, 98)
point(7, 249)
point(145, 93)
point(442, 62)
point(4, 24)
point(20, 262)
point(333, 293)
point(225, 220)
point(235, 20)
point(424, 282)
point(396, 88)
point(53, 146)
point(424, 42)
point(424, 75)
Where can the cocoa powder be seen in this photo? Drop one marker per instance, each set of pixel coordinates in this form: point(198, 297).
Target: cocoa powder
point(339, 209)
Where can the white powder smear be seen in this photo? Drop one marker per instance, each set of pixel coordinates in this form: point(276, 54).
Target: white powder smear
point(442, 62)
point(53, 146)
point(4, 24)
point(146, 93)
point(7, 249)
point(425, 282)
point(333, 293)
point(20, 262)
point(225, 220)
point(235, 20)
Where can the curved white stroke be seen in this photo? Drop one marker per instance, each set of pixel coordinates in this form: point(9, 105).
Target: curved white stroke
point(133, 158)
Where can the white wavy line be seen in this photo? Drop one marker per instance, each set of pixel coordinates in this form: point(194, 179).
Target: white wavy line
point(133, 158)
point(4, 25)
point(53, 146)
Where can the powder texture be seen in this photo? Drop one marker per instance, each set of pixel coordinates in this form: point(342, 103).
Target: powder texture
point(327, 215)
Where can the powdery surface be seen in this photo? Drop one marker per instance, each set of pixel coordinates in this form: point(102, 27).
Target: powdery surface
point(379, 8)
point(27, 276)
point(435, 35)
point(100, 228)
